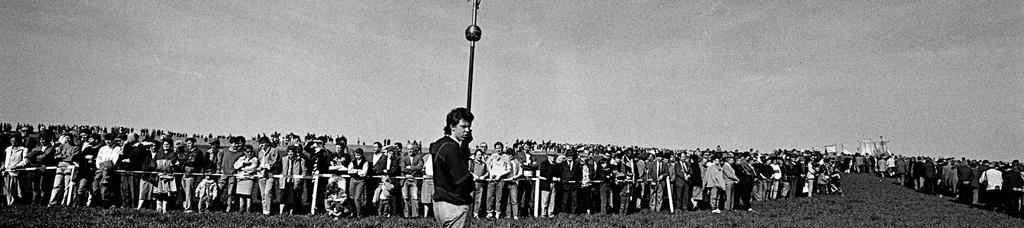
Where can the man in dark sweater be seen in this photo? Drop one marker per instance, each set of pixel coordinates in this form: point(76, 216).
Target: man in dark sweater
point(226, 165)
point(453, 183)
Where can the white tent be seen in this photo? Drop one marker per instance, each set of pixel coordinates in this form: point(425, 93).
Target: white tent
point(867, 147)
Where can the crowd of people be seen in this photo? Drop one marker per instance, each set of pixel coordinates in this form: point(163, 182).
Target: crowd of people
point(288, 174)
point(994, 185)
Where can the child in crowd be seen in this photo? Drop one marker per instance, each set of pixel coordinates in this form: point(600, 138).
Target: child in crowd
point(338, 204)
point(382, 197)
point(206, 191)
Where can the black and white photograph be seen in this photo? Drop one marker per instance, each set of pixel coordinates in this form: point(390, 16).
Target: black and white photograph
point(497, 113)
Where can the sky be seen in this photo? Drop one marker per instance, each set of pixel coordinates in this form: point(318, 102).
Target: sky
point(936, 78)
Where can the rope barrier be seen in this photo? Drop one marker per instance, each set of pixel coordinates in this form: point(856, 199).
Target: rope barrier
point(375, 176)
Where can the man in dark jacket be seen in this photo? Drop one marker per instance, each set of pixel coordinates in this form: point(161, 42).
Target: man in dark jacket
point(1013, 181)
point(571, 174)
point(549, 172)
point(964, 174)
point(680, 183)
point(453, 184)
point(193, 160)
point(930, 178)
point(744, 189)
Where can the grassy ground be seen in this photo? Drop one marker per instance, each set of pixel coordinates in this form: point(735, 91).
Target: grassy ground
point(869, 202)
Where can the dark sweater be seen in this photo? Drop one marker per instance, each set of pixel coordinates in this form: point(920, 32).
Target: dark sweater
point(452, 181)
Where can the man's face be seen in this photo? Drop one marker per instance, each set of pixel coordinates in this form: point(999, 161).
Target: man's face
point(499, 148)
point(461, 131)
point(236, 146)
point(264, 145)
point(190, 144)
point(109, 142)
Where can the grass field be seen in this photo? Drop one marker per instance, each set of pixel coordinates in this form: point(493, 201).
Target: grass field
point(869, 202)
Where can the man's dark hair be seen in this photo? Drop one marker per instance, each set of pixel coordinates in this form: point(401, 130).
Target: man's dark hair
point(109, 136)
point(238, 139)
point(455, 116)
point(193, 140)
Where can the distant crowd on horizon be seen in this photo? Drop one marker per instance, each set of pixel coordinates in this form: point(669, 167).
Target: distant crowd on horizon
point(994, 185)
point(287, 174)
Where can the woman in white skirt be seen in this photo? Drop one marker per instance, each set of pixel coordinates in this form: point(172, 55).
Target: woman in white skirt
point(245, 165)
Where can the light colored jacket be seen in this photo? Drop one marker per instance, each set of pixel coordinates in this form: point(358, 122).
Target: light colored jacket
point(714, 177)
point(994, 178)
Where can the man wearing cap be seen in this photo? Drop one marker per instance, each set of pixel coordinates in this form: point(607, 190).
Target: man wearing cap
point(549, 172)
point(62, 181)
point(26, 139)
point(642, 181)
point(657, 171)
point(106, 158)
point(453, 182)
point(268, 156)
point(319, 161)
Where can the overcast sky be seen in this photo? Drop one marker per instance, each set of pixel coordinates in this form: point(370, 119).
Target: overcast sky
point(943, 78)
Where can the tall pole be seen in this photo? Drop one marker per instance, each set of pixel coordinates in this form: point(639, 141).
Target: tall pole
point(472, 35)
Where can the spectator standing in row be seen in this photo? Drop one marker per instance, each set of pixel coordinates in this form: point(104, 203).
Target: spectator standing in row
point(497, 169)
point(478, 168)
point(358, 169)
point(14, 158)
point(572, 174)
point(680, 177)
point(512, 184)
point(549, 172)
point(289, 189)
point(412, 168)
point(247, 165)
point(104, 183)
point(427, 188)
point(63, 180)
point(193, 160)
point(225, 160)
point(268, 157)
point(165, 163)
point(85, 161)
